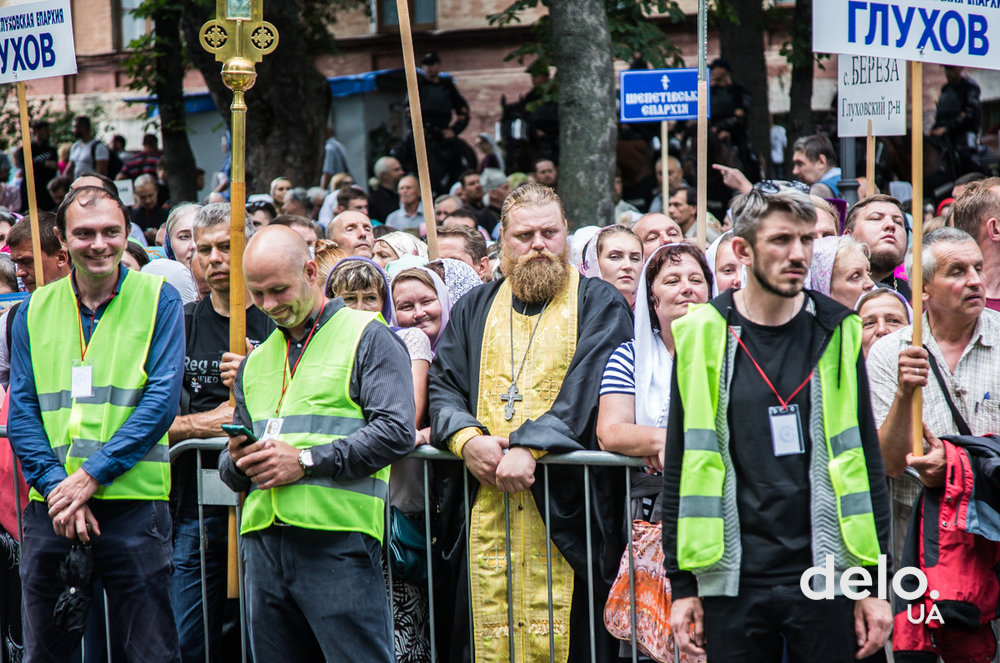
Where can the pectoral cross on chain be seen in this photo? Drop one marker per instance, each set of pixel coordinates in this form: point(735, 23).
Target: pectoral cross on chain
point(510, 398)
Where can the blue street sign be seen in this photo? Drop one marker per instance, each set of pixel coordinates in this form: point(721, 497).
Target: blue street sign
point(655, 95)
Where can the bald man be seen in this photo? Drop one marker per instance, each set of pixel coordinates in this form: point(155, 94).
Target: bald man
point(329, 399)
point(655, 230)
point(352, 231)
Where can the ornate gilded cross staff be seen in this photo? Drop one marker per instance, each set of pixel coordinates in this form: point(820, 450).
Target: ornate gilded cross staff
point(239, 38)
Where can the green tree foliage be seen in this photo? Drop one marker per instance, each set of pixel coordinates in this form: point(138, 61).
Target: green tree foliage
point(633, 33)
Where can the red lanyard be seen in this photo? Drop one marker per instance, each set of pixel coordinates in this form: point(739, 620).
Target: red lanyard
point(83, 344)
point(784, 402)
point(284, 369)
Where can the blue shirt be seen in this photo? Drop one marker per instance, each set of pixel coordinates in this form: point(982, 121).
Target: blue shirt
point(147, 423)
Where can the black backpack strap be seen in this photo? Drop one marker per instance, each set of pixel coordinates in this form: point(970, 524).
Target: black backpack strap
point(11, 312)
point(960, 423)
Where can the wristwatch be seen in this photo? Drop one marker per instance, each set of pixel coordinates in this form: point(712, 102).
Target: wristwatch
point(306, 461)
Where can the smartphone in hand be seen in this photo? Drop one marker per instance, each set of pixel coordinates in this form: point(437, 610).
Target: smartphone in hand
point(232, 430)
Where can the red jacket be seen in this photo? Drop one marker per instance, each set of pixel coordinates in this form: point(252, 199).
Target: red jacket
point(8, 466)
point(961, 569)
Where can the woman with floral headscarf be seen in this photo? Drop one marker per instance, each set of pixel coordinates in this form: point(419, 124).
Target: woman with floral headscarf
point(840, 269)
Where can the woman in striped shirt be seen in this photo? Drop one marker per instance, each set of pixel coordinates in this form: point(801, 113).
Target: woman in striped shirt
point(635, 388)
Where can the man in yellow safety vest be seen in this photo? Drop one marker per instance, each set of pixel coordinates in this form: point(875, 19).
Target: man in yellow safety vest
point(97, 363)
point(772, 464)
point(329, 397)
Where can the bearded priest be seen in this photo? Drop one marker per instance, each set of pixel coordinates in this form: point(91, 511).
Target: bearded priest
point(516, 376)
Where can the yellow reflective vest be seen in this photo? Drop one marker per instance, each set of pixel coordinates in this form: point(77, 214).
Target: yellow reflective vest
point(708, 538)
point(77, 428)
point(317, 409)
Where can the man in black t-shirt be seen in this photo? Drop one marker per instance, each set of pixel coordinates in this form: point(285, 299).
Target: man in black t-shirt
point(45, 160)
point(772, 487)
point(209, 370)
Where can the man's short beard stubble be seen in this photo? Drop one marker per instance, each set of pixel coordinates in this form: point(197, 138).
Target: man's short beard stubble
point(787, 292)
point(536, 283)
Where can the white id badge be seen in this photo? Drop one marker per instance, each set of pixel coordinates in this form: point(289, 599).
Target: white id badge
point(273, 427)
point(786, 431)
point(82, 381)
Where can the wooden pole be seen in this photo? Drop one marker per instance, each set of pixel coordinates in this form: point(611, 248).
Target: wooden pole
point(702, 212)
point(29, 174)
point(417, 120)
point(917, 279)
point(870, 163)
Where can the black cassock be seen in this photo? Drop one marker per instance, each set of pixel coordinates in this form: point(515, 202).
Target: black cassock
point(604, 322)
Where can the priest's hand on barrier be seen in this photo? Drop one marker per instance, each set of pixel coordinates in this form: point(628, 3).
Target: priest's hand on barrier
point(687, 621)
point(872, 621)
point(516, 471)
point(71, 493)
point(482, 454)
point(933, 465)
point(274, 463)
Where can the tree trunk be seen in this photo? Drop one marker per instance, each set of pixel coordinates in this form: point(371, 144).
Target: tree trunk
point(587, 122)
point(742, 43)
point(169, 88)
point(800, 112)
point(286, 109)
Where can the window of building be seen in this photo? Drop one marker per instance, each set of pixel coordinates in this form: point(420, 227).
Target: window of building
point(423, 13)
point(129, 26)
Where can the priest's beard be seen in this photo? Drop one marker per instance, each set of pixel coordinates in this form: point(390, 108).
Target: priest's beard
point(536, 282)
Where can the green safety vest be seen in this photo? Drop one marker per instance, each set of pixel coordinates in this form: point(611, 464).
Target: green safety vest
point(77, 428)
point(701, 338)
point(317, 409)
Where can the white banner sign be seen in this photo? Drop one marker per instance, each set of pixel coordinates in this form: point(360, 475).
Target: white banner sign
point(36, 41)
point(870, 88)
point(954, 32)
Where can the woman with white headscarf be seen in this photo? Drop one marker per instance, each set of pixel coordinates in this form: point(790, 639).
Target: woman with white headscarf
point(635, 389)
point(727, 270)
point(614, 255)
point(393, 246)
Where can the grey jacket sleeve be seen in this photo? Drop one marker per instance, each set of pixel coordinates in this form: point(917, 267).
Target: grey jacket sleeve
point(231, 475)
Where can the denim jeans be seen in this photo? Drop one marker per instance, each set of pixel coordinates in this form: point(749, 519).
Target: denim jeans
point(132, 558)
point(187, 598)
point(315, 595)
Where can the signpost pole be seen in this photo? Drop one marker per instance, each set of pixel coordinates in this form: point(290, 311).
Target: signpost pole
point(917, 205)
point(702, 124)
point(848, 183)
point(664, 167)
point(29, 175)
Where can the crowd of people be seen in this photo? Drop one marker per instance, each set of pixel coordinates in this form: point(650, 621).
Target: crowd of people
point(766, 383)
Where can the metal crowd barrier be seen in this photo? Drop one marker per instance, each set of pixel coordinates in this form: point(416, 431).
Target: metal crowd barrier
point(211, 491)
